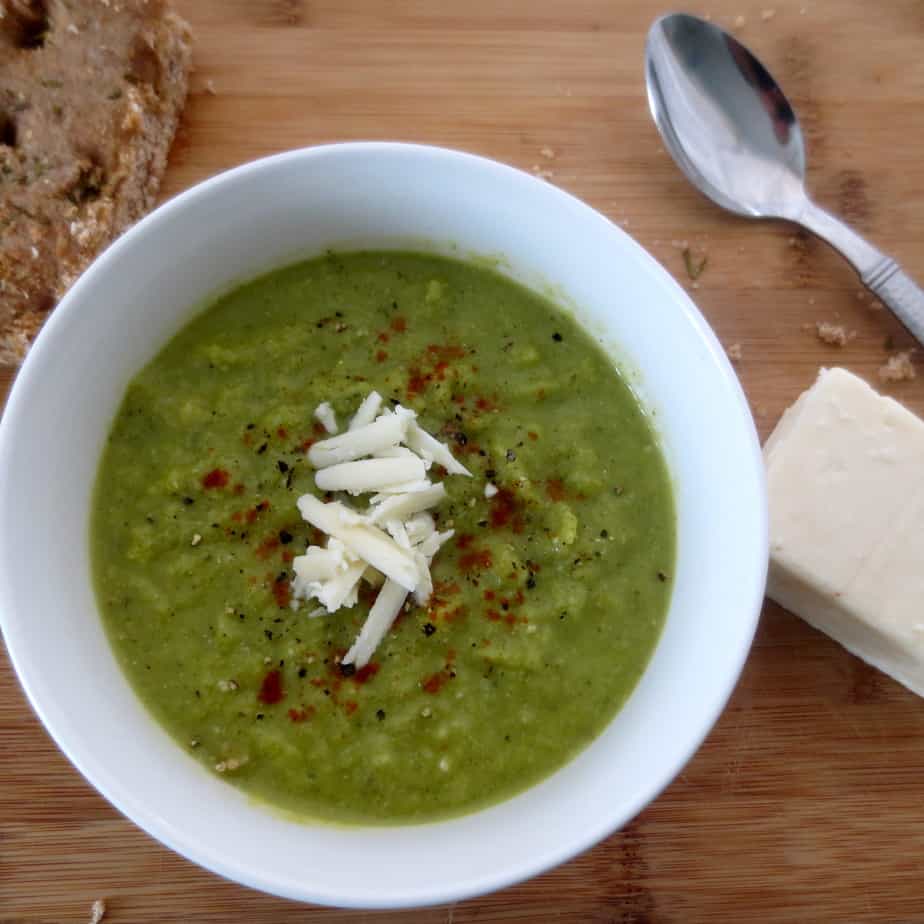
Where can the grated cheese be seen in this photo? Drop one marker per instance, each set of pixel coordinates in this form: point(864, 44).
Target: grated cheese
point(381, 617)
point(401, 506)
point(423, 590)
point(342, 590)
point(392, 544)
point(419, 527)
point(431, 448)
point(325, 414)
point(317, 564)
point(369, 474)
point(383, 433)
point(431, 545)
point(397, 532)
point(367, 411)
point(365, 541)
point(400, 452)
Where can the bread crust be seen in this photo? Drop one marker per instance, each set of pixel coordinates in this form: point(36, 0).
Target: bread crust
point(91, 92)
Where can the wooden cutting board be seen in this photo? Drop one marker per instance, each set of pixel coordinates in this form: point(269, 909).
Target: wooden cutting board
point(806, 802)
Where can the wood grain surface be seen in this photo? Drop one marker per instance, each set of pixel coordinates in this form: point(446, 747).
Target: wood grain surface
point(806, 803)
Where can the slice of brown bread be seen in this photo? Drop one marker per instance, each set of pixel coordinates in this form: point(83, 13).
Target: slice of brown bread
point(90, 95)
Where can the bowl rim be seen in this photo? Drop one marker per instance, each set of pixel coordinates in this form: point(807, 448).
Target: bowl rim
point(119, 794)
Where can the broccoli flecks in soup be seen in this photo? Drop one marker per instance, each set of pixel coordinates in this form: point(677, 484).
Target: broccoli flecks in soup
point(547, 602)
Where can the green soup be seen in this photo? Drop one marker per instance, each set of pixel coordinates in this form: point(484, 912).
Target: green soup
point(548, 601)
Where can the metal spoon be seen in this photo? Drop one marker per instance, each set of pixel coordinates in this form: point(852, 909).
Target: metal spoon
point(733, 133)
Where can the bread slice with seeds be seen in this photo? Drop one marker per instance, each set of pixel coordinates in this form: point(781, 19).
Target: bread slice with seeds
point(91, 92)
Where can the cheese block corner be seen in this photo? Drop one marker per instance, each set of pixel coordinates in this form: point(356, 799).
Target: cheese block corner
point(845, 481)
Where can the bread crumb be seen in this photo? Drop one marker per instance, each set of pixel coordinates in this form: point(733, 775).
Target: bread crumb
point(898, 368)
point(694, 266)
point(767, 14)
point(835, 334)
point(196, 539)
point(739, 22)
point(542, 173)
point(210, 87)
point(547, 152)
point(734, 352)
point(97, 911)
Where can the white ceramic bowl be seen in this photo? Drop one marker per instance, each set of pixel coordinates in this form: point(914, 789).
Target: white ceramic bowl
point(130, 302)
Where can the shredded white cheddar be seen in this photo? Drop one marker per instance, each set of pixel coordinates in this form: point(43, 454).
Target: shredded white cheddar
point(365, 541)
point(383, 613)
point(432, 449)
point(382, 433)
point(369, 474)
point(367, 411)
point(325, 414)
point(391, 545)
point(401, 506)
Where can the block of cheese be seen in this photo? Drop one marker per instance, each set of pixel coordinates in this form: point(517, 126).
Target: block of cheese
point(845, 479)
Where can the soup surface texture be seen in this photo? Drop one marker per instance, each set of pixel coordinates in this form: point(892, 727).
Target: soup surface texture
point(548, 600)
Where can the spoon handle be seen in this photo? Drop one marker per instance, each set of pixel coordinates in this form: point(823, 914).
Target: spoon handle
point(880, 274)
point(901, 293)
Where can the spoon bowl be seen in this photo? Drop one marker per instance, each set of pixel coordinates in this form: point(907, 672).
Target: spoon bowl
point(727, 124)
point(733, 133)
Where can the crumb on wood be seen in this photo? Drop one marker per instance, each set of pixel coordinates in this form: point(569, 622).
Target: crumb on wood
point(97, 911)
point(734, 352)
point(766, 15)
point(835, 334)
point(739, 22)
point(542, 173)
point(694, 265)
point(210, 87)
point(547, 152)
point(898, 368)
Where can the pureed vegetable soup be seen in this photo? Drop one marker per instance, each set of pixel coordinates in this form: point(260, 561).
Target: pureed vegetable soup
point(547, 601)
